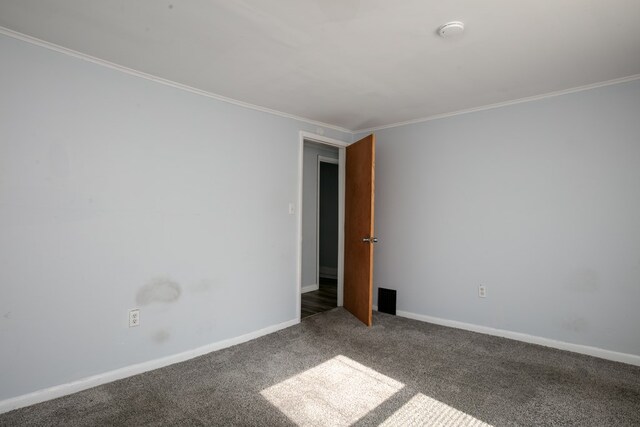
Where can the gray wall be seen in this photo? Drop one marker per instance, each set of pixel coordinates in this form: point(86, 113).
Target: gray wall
point(117, 192)
point(539, 201)
point(310, 208)
point(328, 216)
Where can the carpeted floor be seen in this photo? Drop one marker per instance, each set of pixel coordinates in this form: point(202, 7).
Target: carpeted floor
point(331, 370)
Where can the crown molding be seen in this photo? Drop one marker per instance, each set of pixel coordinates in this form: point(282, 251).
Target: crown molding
point(166, 82)
point(504, 104)
point(70, 52)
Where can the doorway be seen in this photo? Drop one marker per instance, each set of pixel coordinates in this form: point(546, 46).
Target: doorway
point(321, 244)
point(356, 177)
point(320, 263)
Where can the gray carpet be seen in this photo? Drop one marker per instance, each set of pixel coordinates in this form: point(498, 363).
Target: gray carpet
point(331, 370)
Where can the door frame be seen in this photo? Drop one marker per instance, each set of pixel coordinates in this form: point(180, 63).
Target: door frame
point(341, 145)
point(330, 160)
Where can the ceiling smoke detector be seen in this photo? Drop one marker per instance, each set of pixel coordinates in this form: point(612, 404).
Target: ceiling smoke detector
point(451, 29)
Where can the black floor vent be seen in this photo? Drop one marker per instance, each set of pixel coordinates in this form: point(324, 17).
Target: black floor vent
point(387, 301)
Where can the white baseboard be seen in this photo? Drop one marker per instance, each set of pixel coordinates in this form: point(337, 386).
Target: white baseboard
point(329, 272)
point(310, 288)
point(631, 359)
point(107, 377)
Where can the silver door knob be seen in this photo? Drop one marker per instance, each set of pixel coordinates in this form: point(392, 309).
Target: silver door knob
point(370, 240)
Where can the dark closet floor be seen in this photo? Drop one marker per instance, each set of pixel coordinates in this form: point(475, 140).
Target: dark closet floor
point(321, 300)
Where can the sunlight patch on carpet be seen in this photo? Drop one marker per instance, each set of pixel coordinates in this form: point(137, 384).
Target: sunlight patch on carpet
point(423, 410)
point(338, 392)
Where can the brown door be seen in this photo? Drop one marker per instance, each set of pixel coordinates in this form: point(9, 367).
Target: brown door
point(358, 228)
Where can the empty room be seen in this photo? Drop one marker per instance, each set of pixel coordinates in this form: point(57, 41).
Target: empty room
point(319, 212)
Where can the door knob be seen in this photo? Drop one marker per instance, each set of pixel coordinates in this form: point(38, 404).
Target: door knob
point(370, 240)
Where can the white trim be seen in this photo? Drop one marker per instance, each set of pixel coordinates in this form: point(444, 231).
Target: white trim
point(309, 288)
point(83, 56)
point(342, 179)
point(321, 159)
point(328, 272)
point(107, 377)
point(341, 145)
point(631, 359)
point(133, 72)
point(321, 139)
point(503, 104)
point(52, 46)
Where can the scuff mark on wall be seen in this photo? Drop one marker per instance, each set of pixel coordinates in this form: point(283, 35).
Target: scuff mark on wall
point(578, 324)
point(204, 285)
point(204, 328)
point(161, 336)
point(59, 164)
point(7, 315)
point(161, 289)
point(585, 280)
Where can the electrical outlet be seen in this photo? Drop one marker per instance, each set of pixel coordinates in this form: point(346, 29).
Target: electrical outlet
point(134, 317)
point(482, 291)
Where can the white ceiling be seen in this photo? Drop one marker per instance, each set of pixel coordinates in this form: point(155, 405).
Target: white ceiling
point(356, 64)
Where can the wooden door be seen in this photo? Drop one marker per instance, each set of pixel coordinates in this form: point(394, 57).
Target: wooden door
point(358, 228)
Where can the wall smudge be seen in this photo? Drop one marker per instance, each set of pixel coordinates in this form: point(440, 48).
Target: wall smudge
point(585, 280)
point(577, 325)
point(160, 336)
point(204, 285)
point(161, 289)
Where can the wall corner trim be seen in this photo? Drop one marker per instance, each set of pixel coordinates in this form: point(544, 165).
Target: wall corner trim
point(601, 353)
point(310, 288)
point(128, 371)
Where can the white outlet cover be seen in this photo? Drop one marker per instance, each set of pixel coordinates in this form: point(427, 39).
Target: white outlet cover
point(482, 291)
point(134, 317)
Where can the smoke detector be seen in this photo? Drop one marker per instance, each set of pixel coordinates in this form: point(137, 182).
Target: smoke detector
point(451, 29)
